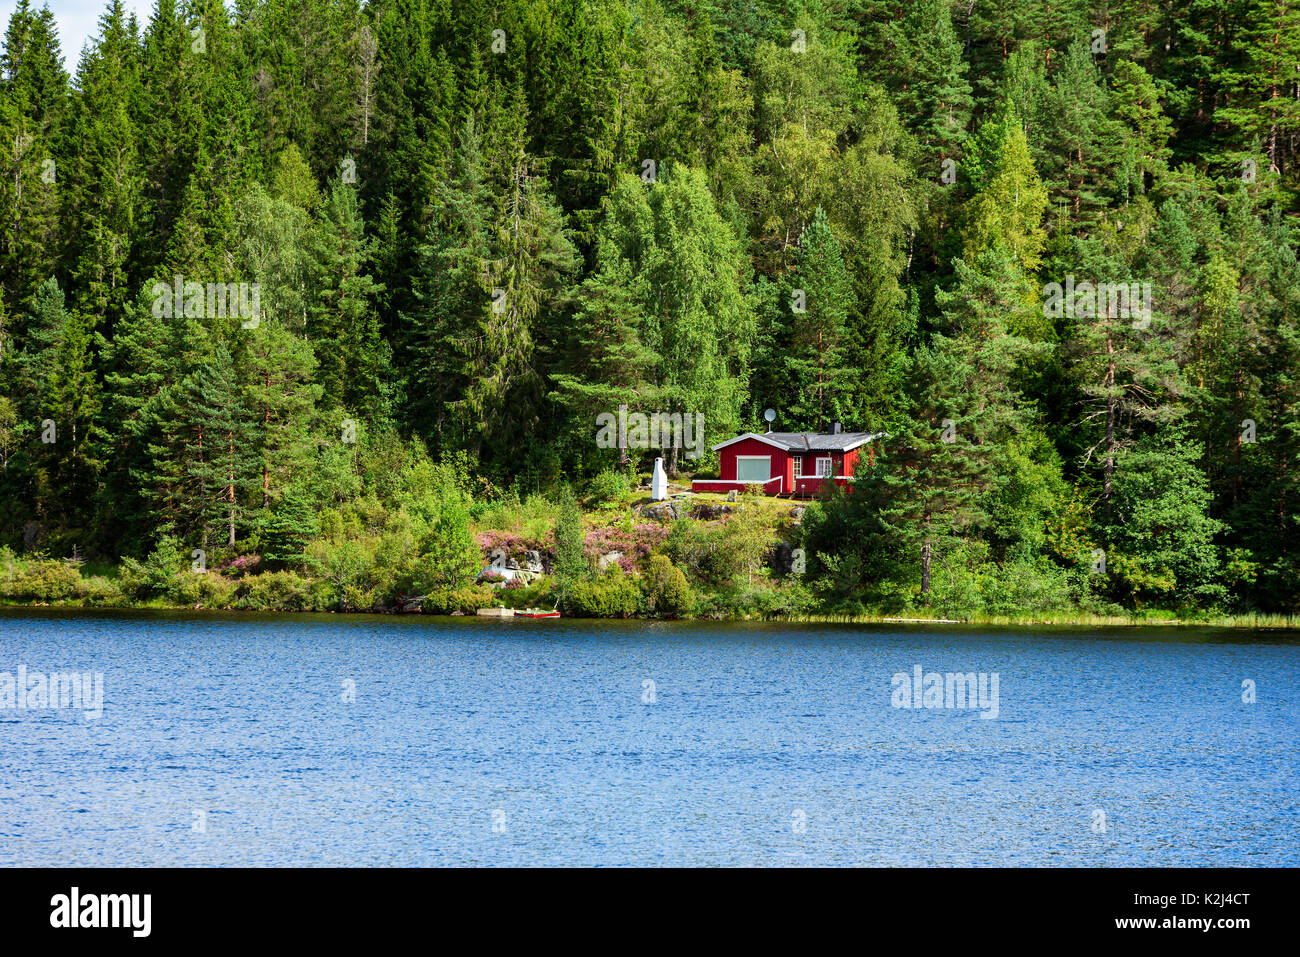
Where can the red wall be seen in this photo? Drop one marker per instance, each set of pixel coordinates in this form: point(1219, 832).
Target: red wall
point(841, 463)
point(783, 464)
point(727, 458)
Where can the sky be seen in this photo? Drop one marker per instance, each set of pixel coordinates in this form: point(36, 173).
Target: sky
point(78, 21)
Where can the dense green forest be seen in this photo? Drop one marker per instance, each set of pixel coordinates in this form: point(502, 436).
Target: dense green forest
point(312, 303)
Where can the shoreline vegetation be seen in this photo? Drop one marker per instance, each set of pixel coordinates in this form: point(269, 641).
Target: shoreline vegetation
point(1252, 621)
point(310, 305)
point(615, 554)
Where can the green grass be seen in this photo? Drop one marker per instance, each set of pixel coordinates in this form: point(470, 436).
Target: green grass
point(1064, 616)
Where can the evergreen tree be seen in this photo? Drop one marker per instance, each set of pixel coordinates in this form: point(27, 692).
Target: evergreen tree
point(58, 379)
point(350, 353)
point(1008, 212)
point(816, 373)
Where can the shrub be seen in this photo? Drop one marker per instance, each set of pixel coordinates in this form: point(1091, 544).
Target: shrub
point(449, 557)
point(155, 576)
point(282, 591)
point(45, 580)
point(207, 590)
point(570, 566)
point(609, 486)
point(100, 592)
point(666, 589)
point(613, 595)
point(340, 566)
point(355, 598)
point(444, 601)
point(720, 552)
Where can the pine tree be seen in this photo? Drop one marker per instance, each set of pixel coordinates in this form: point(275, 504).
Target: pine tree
point(532, 260)
point(33, 104)
point(277, 369)
point(927, 484)
point(343, 323)
point(104, 181)
point(606, 363)
point(1122, 361)
point(449, 293)
point(58, 378)
point(1008, 212)
point(933, 89)
point(221, 471)
point(816, 372)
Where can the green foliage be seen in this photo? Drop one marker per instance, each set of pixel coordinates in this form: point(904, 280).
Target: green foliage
point(155, 577)
point(47, 580)
point(612, 595)
point(449, 557)
point(665, 587)
point(609, 487)
point(720, 553)
point(285, 591)
point(570, 567)
point(462, 257)
point(466, 600)
point(1158, 525)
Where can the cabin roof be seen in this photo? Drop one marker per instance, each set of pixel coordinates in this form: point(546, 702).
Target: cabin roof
point(807, 441)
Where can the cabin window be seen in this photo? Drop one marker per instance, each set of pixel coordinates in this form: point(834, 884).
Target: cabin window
point(753, 468)
point(798, 466)
point(823, 468)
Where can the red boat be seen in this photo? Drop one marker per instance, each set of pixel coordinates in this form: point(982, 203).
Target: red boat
point(535, 613)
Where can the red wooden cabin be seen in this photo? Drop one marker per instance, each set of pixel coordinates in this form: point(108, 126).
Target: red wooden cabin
point(788, 463)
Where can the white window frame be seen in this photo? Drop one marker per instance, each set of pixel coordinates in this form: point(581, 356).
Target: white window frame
point(826, 470)
point(754, 458)
point(798, 466)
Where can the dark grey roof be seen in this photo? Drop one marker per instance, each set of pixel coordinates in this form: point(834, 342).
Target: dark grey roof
point(809, 441)
point(819, 441)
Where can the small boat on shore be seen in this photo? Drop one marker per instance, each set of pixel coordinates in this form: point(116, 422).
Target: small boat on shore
point(536, 613)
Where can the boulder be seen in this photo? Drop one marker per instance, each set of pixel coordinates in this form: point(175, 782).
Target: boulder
point(708, 511)
point(497, 577)
point(782, 560)
point(609, 558)
point(797, 512)
point(662, 511)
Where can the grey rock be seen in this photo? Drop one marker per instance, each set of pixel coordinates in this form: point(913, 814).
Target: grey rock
point(708, 511)
point(782, 560)
point(663, 511)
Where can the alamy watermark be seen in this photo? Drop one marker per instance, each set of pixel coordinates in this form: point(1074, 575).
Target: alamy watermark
point(1087, 300)
point(950, 690)
point(213, 300)
point(658, 430)
point(83, 691)
point(75, 909)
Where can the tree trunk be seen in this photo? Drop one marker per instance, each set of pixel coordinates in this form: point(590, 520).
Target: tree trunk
point(231, 449)
point(1110, 416)
point(925, 559)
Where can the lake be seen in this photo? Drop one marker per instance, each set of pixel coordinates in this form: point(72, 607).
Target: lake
point(366, 740)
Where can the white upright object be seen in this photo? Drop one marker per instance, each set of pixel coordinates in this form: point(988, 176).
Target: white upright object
point(659, 482)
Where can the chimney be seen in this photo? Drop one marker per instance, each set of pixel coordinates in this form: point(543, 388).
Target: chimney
point(835, 427)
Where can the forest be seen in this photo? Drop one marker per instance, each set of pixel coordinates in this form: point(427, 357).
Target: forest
point(315, 304)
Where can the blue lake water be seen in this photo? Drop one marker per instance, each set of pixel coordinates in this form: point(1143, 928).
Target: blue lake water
point(229, 741)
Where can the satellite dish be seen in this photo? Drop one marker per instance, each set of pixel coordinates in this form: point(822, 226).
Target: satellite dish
point(769, 414)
